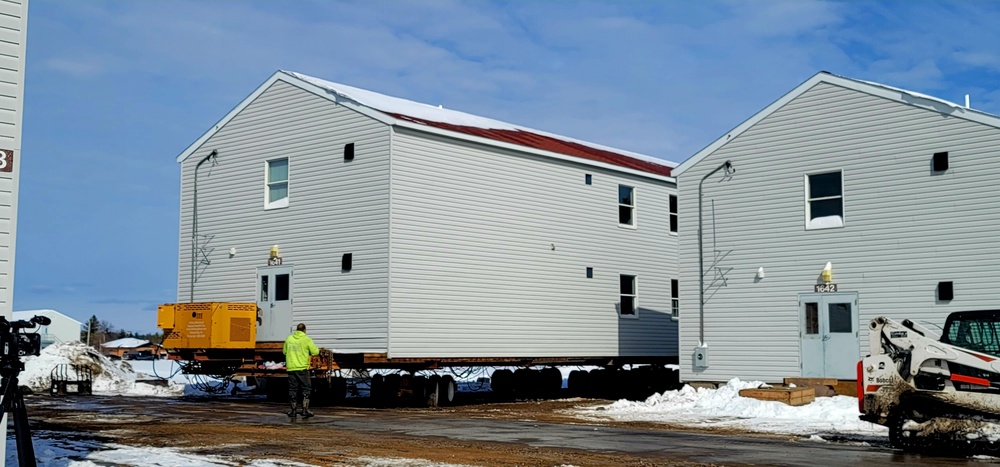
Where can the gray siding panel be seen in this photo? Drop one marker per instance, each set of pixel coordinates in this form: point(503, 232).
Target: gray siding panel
point(13, 35)
point(335, 207)
point(473, 268)
point(906, 228)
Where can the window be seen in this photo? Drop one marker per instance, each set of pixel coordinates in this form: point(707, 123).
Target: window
point(277, 184)
point(626, 205)
point(263, 288)
point(281, 287)
point(673, 214)
point(628, 295)
point(824, 200)
point(840, 318)
point(675, 299)
point(812, 318)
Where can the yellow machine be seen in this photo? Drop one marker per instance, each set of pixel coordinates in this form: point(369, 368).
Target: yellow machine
point(208, 325)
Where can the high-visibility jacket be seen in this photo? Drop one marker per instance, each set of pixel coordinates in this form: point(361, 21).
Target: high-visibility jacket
point(298, 347)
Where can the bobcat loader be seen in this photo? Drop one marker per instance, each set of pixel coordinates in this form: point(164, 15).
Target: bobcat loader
point(931, 391)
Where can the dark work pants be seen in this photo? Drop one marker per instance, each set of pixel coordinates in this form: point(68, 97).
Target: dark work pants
point(296, 380)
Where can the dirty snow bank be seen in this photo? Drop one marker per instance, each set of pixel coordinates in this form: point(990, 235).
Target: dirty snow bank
point(109, 377)
point(725, 408)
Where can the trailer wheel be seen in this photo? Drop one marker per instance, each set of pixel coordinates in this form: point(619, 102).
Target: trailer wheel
point(551, 382)
point(448, 389)
point(577, 383)
point(501, 382)
point(275, 389)
point(377, 390)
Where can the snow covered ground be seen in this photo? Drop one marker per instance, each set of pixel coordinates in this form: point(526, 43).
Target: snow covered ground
point(54, 450)
point(725, 408)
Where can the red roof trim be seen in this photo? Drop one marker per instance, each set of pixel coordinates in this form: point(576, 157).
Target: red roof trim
point(545, 143)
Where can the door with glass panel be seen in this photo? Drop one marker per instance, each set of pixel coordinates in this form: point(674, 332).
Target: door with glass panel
point(274, 299)
point(828, 332)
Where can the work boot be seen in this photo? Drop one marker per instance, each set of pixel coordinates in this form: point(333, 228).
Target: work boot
point(305, 408)
point(291, 413)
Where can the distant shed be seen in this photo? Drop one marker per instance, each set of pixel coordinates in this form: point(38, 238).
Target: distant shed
point(62, 329)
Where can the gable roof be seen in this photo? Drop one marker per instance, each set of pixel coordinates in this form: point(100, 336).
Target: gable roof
point(876, 89)
point(427, 118)
point(28, 314)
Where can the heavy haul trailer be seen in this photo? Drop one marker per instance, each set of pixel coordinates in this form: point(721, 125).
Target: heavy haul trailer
point(219, 339)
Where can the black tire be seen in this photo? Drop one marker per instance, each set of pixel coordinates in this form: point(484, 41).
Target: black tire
point(502, 384)
point(377, 390)
point(577, 383)
point(898, 438)
point(432, 391)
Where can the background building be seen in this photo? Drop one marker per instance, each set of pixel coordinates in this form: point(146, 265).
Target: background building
point(895, 190)
point(61, 329)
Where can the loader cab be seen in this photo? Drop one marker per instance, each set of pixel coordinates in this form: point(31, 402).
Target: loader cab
point(974, 330)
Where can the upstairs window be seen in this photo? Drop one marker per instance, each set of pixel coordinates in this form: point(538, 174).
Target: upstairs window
point(675, 299)
point(276, 184)
point(674, 220)
point(626, 205)
point(825, 200)
point(628, 295)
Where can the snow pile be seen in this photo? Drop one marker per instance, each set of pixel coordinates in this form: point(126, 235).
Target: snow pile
point(109, 377)
point(725, 408)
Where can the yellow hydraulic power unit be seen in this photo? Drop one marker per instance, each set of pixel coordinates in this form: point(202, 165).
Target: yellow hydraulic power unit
point(208, 325)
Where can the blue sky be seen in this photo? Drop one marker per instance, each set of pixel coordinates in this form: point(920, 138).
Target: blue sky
point(116, 90)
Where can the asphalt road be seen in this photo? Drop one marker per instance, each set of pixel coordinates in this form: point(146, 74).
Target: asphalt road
point(524, 426)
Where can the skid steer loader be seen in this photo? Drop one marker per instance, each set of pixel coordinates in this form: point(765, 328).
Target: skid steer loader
point(934, 391)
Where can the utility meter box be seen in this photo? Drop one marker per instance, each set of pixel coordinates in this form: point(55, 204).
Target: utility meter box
point(700, 357)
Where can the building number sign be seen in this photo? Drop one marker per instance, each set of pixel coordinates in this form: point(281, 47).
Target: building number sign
point(6, 160)
point(275, 261)
point(823, 288)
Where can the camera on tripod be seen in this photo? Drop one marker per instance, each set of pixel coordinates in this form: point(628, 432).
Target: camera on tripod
point(15, 343)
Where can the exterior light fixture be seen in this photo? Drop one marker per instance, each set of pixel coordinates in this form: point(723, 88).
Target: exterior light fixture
point(760, 272)
point(827, 273)
point(274, 251)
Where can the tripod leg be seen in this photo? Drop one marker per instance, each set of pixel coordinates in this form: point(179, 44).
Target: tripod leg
point(25, 449)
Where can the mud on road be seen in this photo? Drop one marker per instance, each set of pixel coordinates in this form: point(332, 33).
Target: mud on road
point(541, 433)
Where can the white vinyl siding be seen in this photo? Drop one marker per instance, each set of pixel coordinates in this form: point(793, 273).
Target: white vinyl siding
point(340, 207)
point(900, 242)
point(480, 268)
point(13, 38)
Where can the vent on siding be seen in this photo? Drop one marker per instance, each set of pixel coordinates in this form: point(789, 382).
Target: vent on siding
point(946, 291)
point(239, 329)
point(587, 179)
point(940, 161)
point(345, 261)
point(590, 273)
point(349, 152)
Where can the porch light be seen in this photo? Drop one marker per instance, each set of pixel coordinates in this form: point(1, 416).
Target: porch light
point(827, 273)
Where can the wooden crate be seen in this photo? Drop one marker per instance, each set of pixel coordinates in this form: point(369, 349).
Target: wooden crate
point(790, 396)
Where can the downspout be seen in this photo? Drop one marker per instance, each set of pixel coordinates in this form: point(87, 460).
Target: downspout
point(194, 221)
point(701, 254)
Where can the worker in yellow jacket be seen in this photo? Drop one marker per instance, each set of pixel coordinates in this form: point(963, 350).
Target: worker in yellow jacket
point(298, 348)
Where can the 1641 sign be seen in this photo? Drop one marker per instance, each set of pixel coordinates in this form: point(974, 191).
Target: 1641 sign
point(275, 261)
point(824, 288)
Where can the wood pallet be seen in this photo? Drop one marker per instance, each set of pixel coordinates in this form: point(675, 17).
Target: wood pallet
point(790, 396)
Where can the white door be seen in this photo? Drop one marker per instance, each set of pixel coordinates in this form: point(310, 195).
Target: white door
point(274, 298)
point(828, 326)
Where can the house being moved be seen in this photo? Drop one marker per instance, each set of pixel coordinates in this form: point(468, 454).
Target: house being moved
point(405, 230)
point(850, 200)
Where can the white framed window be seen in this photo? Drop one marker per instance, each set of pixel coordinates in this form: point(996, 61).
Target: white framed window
point(674, 220)
point(629, 296)
point(825, 200)
point(626, 206)
point(276, 183)
point(675, 299)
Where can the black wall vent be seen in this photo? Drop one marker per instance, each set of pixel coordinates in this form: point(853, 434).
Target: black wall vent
point(946, 291)
point(940, 161)
point(345, 262)
point(586, 179)
point(349, 152)
point(590, 273)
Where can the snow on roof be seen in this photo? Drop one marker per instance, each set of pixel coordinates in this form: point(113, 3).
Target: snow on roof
point(461, 122)
point(125, 343)
point(28, 314)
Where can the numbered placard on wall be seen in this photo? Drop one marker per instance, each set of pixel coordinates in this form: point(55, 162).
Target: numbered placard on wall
point(6, 160)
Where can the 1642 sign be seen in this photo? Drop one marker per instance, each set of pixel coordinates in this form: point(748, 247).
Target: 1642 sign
point(824, 288)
